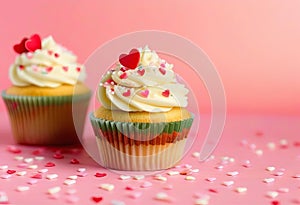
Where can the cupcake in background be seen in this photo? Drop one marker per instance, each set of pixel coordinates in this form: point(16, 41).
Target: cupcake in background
point(142, 123)
point(46, 81)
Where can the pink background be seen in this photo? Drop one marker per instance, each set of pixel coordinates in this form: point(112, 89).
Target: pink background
point(254, 46)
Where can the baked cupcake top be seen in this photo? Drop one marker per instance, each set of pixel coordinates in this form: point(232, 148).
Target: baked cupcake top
point(141, 81)
point(44, 63)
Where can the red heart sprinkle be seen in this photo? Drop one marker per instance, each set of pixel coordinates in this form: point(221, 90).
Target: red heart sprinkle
point(37, 151)
point(37, 176)
point(162, 70)
point(131, 60)
point(213, 190)
point(144, 93)
point(56, 55)
point(49, 69)
point(74, 161)
point(33, 43)
point(127, 93)
point(123, 69)
point(49, 164)
point(78, 69)
point(20, 48)
point(21, 67)
point(129, 188)
point(166, 93)
point(100, 174)
point(10, 171)
point(97, 199)
point(141, 72)
point(14, 149)
point(58, 156)
point(275, 203)
point(123, 75)
point(65, 68)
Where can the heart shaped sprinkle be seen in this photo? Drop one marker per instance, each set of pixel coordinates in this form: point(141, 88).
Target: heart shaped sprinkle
point(33, 43)
point(74, 161)
point(65, 68)
point(14, 149)
point(56, 55)
point(144, 93)
point(50, 52)
point(100, 174)
point(78, 69)
point(37, 176)
point(49, 69)
point(123, 69)
point(141, 72)
point(162, 71)
point(58, 156)
point(123, 75)
point(10, 171)
point(166, 93)
point(127, 93)
point(131, 60)
point(21, 67)
point(49, 164)
point(97, 199)
point(20, 48)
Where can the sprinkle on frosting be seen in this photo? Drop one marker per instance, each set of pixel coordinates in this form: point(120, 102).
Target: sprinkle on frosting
point(44, 63)
point(141, 81)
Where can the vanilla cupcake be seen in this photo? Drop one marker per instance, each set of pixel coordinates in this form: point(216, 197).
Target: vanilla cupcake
point(142, 124)
point(47, 82)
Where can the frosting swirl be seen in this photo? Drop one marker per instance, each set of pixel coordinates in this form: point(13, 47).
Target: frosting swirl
point(150, 87)
point(50, 66)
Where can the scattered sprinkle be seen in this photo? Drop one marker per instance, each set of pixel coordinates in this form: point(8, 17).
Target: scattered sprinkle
point(69, 182)
point(146, 184)
point(100, 174)
point(115, 202)
point(272, 194)
point(259, 152)
point(161, 196)
point(32, 181)
point(43, 170)
point(228, 183)
point(21, 173)
point(138, 177)
point(107, 187)
point(28, 160)
point(3, 167)
point(268, 180)
point(51, 176)
point(81, 169)
point(241, 189)
point(54, 190)
point(196, 154)
point(160, 178)
point(74, 161)
point(124, 177)
point(134, 195)
point(172, 173)
point(33, 166)
point(22, 188)
point(190, 178)
point(211, 179)
point(73, 177)
point(283, 190)
point(270, 169)
point(234, 173)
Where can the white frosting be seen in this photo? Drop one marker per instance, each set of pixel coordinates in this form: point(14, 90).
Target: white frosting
point(142, 88)
point(50, 66)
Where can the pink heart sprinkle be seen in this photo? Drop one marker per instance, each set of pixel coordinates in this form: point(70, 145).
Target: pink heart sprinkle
point(144, 93)
point(50, 52)
point(100, 174)
point(123, 75)
point(127, 93)
point(135, 195)
point(65, 68)
point(141, 72)
point(166, 93)
point(162, 70)
point(49, 69)
point(14, 149)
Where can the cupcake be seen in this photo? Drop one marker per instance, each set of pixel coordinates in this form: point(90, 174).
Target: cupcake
point(47, 83)
point(142, 123)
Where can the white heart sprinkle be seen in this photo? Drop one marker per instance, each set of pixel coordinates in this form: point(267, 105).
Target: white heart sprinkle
point(172, 173)
point(39, 158)
point(71, 191)
point(81, 169)
point(51, 176)
point(278, 174)
point(234, 173)
point(107, 187)
point(28, 160)
point(228, 183)
point(259, 152)
point(271, 145)
point(3, 167)
point(19, 158)
point(283, 190)
point(211, 179)
point(190, 178)
point(201, 202)
point(32, 181)
point(43, 170)
point(160, 178)
point(241, 189)
point(21, 173)
point(268, 180)
point(73, 177)
point(22, 188)
point(69, 182)
point(196, 154)
point(270, 169)
point(115, 202)
point(5, 176)
point(135, 195)
point(139, 177)
point(296, 176)
point(3, 198)
point(33, 166)
point(54, 190)
point(163, 197)
point(124, 177)
point(272, 194)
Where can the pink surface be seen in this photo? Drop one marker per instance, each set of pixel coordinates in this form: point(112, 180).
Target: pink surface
point(254, 45)
point(243, 137)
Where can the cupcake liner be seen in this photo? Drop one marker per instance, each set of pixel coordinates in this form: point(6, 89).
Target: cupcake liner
point(45, 120)
point(136, 146)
